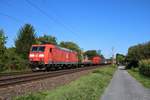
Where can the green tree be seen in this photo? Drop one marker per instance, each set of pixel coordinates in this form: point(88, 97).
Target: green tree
point(2, 49)
point(2, 42)
point(137, 53)
point(120, 58)
point(14, 61)
point(70, 45)
point(91, 53)
point(25, 38)
point(46, 40)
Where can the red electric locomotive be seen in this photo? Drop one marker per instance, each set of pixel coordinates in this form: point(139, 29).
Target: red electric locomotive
point(46, 56)
point(96, 60)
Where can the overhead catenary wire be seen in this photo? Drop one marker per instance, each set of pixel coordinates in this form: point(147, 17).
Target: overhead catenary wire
point(50, 17)
point(11, 17)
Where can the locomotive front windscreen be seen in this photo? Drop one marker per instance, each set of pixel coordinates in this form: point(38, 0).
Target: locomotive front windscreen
point(38, 49)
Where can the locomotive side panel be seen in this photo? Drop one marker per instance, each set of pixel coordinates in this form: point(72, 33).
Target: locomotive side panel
point(96, 60)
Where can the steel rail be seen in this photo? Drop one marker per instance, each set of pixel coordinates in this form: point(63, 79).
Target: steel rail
point(17, 79)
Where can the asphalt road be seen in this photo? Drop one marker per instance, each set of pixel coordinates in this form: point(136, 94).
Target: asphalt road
point(125, 87)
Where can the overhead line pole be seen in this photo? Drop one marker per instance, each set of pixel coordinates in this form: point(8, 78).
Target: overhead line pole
point(113, 55)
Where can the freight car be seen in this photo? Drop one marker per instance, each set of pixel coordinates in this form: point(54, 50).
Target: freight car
point(48, 56)
point(96, 60)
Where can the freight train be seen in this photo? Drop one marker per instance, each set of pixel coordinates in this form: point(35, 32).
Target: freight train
point(49, 56)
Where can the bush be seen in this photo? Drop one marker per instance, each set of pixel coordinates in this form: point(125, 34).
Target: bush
point(13, 62)
point(16, 63)
point(137, 53)
point(132, 64)
point(144, 67)
point(2, 67)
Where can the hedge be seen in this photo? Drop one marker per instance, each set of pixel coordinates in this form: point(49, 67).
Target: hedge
point(144, 67)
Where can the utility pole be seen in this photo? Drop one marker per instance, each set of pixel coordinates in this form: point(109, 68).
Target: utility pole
point(113, 55)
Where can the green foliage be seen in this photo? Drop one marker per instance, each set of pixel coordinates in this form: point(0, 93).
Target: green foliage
point(46, 40)
point(13, 62)
point(91, 53)
point(137, 53)
point(2, 49)
point(25, 38)
point(135, 57)
point(72, 46)
point(88, 87)
point(2, 42)
point(14, 58)
point(144, 67)
point(120, 58)
point(32, 96)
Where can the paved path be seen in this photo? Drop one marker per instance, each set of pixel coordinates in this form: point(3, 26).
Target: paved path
point(125, 87)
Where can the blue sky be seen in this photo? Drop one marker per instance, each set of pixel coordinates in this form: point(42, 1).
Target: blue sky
point(93, 24)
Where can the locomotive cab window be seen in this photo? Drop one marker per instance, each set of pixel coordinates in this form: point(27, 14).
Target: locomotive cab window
point(50, 50)
point(38, 49)
point(34, 49)
point(41, 49)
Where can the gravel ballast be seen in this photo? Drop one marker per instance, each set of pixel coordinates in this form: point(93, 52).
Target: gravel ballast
point(39, 85)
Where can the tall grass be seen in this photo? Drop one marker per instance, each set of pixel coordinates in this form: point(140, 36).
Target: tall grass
point(144, 67)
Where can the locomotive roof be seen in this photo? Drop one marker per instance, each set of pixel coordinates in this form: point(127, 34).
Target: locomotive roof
point(43, 45)
point(65, 49)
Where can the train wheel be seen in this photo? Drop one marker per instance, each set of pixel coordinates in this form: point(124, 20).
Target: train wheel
point(33, 70)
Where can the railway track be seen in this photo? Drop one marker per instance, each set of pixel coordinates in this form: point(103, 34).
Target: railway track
point(18, 79)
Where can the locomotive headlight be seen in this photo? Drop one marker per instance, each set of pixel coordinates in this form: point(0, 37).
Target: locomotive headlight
point(41, 55)
point(31, 55)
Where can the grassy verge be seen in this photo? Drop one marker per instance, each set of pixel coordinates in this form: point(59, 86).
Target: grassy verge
point(144, 80)
point(88, 87)
point(15, 71)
